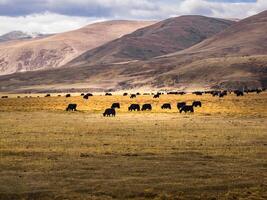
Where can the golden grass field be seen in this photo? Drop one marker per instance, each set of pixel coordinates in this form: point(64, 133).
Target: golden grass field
point(219, 152)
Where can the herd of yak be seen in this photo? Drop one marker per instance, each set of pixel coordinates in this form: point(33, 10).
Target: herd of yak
point(182, 106)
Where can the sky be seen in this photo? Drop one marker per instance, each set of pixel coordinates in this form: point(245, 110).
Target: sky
point(54, 16)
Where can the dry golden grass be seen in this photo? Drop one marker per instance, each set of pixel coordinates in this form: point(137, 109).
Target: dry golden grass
point(251, 104)
point(217, 153)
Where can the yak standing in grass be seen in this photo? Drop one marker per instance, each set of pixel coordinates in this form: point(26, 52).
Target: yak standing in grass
point(68, 95)
point(110, 112)
point(133, 96)
point(198, 93)
point(72, 107)
point(180, 105)
point(146, 107)
point(156, 96)
point(134, 107)
point(187, 109)
point(87, 96)
point(239, 93)
point(166, 106)
point(197, 104)
point(116, 105)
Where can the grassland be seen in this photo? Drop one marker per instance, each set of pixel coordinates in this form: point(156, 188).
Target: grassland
point(219, 152)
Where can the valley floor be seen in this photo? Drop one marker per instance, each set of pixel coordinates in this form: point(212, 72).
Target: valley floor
point(217, 153)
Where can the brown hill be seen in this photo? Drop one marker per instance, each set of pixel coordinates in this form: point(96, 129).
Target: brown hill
point(247, 37)
point(57, 50)
point(162, 38)
point(235, 58)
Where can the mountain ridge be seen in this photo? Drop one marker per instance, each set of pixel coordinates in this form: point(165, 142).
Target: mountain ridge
point(211, 64)
point(56, 50)
point(167, 36)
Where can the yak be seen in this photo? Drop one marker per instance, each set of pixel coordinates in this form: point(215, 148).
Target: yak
point(166, 106)
point(187, 109)
point(146, 107)
point(180, 105)
point(134, 107)
point(72, 107)
point(197, 104)
point(115, 105)
point(109, 112)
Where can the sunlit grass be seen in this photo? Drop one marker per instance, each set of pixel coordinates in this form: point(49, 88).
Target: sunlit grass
point(217, 153)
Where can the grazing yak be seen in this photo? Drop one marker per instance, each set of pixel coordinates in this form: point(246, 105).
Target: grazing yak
point(72, 107)
point(172, 93)
point(197, 104)
point(156, 96)
point(181, 93)
point(134, 107)
point(258, 91)
point(48, 95)
point(198, 93)
point(82, 94)
point(221, 95)
point(108, 94)
point(166, 106)
point(146, 107)
point(68, 95)
point(125, 94)
point(133, 96)
point(180, 105)
point(87, 96)
point(187, 109)
point(109, 112)
point(239, 93)
point(115, 105)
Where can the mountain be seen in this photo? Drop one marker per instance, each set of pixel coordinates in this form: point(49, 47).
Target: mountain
point(57, 50)
point(234, 58)
point(19, 35)
point(171, 35)
point(14, 35)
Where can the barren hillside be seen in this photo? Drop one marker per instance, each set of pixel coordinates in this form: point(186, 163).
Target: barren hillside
point(162, 38)
point(235, 58)
point(57, 50)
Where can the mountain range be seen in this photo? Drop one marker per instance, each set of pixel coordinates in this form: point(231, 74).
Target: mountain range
point(168, 36)
point(59, 49)
point(19, 35)
point(183, 53)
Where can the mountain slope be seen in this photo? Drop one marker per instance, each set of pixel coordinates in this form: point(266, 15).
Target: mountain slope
point(165, 37)
point(235, 58)
point(247, 37)
point(57, 50)
point(19, 35)
point(14, 35)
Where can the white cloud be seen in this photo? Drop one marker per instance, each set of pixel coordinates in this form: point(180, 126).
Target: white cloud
point(222, 9)
point(44, 23)
point(51, 16)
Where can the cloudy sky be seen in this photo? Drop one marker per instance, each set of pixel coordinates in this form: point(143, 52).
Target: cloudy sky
point(52, 16)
